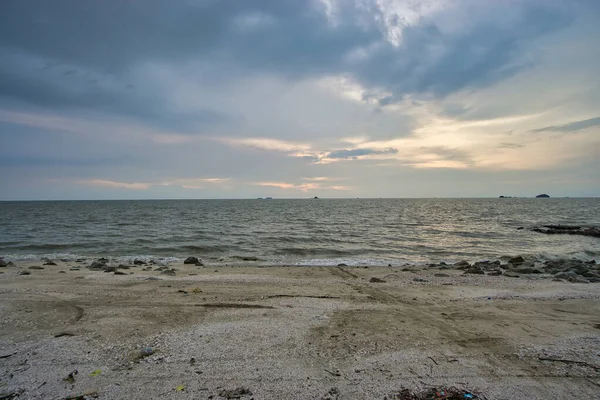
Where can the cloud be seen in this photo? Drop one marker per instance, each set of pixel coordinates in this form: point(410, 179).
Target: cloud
point(571, 126)
point(358, 153)
point(115, 184)
point(304, 187)
point(267, 144)
point(186, 183)
point(395, 48)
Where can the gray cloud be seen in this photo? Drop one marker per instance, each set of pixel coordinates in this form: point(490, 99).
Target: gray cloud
point(355, 153)
point(571, 126)
point(234, 38)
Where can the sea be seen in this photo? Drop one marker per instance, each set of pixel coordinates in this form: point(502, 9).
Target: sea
point(319, 232)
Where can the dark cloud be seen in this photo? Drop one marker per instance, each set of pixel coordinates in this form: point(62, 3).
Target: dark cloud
point(23, 81)
point(355, 153)
point(571, 126)
point(100, 44)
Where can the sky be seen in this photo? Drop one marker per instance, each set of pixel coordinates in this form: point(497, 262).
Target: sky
point(143, 99)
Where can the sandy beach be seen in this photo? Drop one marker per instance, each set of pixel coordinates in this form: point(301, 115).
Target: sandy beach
point(293, 333)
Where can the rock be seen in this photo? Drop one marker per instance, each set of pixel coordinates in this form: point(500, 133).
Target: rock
point(120, 273)
point(97, 265)
point(106, 268)
point(62, 272)
point(516, 260)
point(74, 269)
point(191, 260)
point(342, 265)
point(541, 196)
point(474, 270)
point(462, 264)
point(376, 280)
point(24, 273)
point(4, 264)
point(420, 280)
point(442, 275)
point(591, 274)
point(526, 269)
point(495, 272)
point(199, 264)
point(168, 272)
point(103, 260)
point(121, 266)
point(568, 230)
point(139, 262)
point(553, 267)
point(50, 263)
point(36, 267)
point(570, 277)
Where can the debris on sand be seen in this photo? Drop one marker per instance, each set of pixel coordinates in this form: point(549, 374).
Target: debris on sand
point(376, 280)
point(71, 377)
point(83, 396)
point(333, 394)
point(235, 393)
point(451, 393)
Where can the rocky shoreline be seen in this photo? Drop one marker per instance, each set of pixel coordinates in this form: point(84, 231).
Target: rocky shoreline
point(567, 270)
point(568, 230)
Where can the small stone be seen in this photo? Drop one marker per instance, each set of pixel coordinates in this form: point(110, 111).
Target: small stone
point(191, 260)
point(139, 262)
point(441, 275)
point(342, 265)
point(106, 268)
point(137, 355)
point(50, 263)
point(376, 280)
point(462, 264)
point(62, 272)
point(120, 273)
point(36, 267)
point(420, 280)
point(24, 273)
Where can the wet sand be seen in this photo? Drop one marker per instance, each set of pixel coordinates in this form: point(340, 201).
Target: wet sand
point(294, 333)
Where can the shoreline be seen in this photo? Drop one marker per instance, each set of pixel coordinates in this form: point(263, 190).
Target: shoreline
point(297, 333)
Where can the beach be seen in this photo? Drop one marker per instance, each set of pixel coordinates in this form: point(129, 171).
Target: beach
point(293, 332)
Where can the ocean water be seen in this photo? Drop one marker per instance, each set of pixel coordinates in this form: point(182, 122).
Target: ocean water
point(301, 232)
